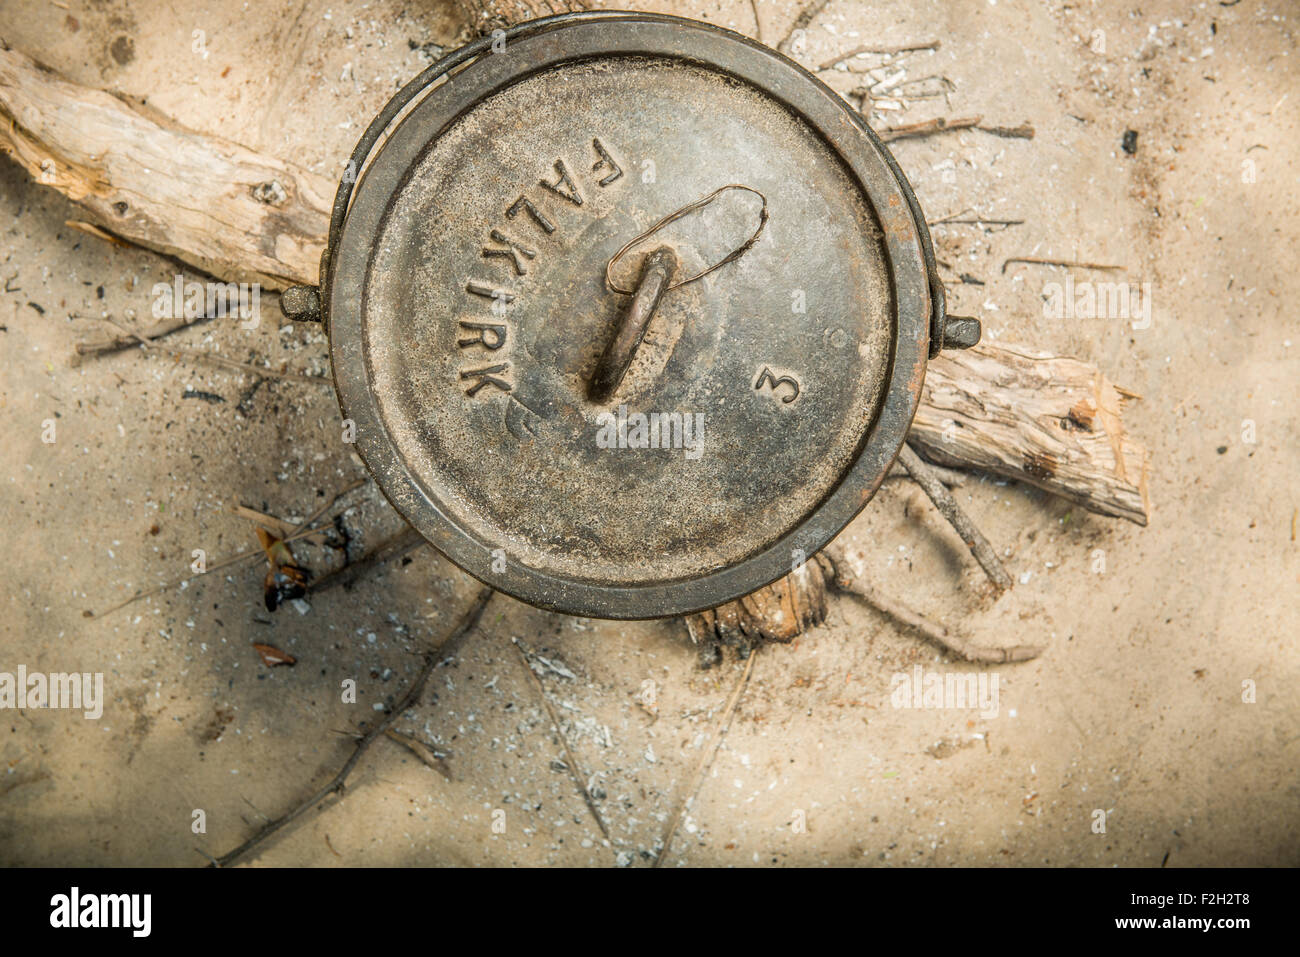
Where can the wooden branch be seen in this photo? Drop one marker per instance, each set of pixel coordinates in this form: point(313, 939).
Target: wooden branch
point(780, 612)
point(839, 574)
point(1051, 421)
point(924, 476)
point(449, 646)
point(226, 209)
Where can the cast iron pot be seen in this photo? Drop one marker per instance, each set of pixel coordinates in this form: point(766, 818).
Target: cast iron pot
point(628, 314)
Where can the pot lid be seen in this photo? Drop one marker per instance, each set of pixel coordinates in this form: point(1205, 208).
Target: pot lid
point(630, 313)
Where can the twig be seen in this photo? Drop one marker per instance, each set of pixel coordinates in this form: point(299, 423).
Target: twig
point(273, 524)
point(706, 758)
point(977, 221)
point(942, 124)
point(802, 21)
point(302, 531)
point(1025, 131)
point(1066, 263)
point(448, 647)
point(758, 21)
point(572, 762)
point(395, 547)
point(105, 346)
point(421, 751)
point(884, 51)
point(200, 356)
point(949, 477)
point(979, 545)
point(840, 575)
point(939, 124)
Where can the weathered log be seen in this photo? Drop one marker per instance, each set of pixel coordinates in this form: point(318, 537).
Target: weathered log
point(779, 612)
point(1051, 421)
point(228, 210)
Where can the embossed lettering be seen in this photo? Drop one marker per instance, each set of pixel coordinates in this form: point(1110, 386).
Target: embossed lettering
point(484, 329)
point(766, 377)
point(513, 252)
point(564, 186)
point(524, 203)
point(486, 377)
point(487, 292)
point(605, 162)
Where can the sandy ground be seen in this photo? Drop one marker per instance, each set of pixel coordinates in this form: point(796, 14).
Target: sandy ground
point(1135, 710)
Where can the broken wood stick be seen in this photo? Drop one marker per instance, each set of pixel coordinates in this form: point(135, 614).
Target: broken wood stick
point(228, 210)
point(780, 612)
point(449, 646)
point(1062, 263)
point(706, 759)
point(839, 573)
point(949, 477)
point(1050, 421)
point(1009, 412)
point(575, 770)
point(927, 127)
point(942, 124)
point(883, 51)
point(974, 539)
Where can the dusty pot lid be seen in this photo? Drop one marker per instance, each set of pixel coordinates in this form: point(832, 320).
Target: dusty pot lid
point(471, 319)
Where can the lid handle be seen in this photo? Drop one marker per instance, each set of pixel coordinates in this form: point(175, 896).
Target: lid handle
point(657, 271)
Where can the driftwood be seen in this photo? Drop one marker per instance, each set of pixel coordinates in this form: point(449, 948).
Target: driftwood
point(1051, 421)
point(779, 612)
point(230, 211)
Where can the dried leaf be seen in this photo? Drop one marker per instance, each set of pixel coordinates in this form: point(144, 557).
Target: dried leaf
point(285, 581)
point(272, 656)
